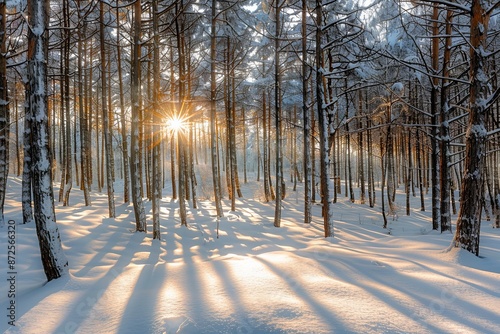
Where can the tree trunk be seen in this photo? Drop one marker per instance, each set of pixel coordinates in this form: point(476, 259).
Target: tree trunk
point(234, 158)
point(257, 134)
point(293, 153)
point(181, 140)
point(409, 174)
point(181, 160)
point(371, 181)
point(389, 160)
point(61, 143)
point(88, 83)
point(27, 165)
point(68, 168)
point(84, 184)
point(277, 116)
point(244, 134)
point(105, 119)
point(156, 168)
point(383, 165)
point(191, 172)
point(125, 149)
point(323, 127)
point(469, 216)
point(434, 120)
point(361, 157)
point(265, 141)
point(140, 215)
point(53, 259)
point(445, 178)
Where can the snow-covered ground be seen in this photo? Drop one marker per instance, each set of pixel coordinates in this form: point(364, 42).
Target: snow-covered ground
point(254, 278)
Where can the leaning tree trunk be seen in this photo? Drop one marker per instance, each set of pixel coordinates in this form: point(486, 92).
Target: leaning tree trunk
point(471, 197)
point(53, 259)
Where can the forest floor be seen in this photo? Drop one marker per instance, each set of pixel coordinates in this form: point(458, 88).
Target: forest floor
point(253, 278)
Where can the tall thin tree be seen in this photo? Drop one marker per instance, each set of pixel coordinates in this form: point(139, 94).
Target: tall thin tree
point(156, 170)
point(277, 114)
point(213, 110)
point(53, 259)
point(472, 190)
point(108, 145)
point(323, 126)
point(135, 171)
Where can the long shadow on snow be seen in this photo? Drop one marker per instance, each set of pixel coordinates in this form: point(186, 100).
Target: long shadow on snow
point(83, 307)
point(334, 323)
point(391, 290)
point(141, 307)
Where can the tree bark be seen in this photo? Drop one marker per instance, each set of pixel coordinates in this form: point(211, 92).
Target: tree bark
point(140, 215)
point(277, 116)
point(445, 178)
point(125, 149)
point(265, 142)
point(434, 120)
point(27, 166)
point(156, 142)
point(323, 127)
point(53, 259)
point(84, 157)
point(469, 216)
point(68, 177)
point(108, 145)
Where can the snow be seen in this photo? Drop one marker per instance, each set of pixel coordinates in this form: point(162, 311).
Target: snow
point(254, 278)
point(397, 87)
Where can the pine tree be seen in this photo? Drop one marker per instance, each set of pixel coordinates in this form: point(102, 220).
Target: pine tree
point(135, 171)
point(471, 198)
point(53, 259)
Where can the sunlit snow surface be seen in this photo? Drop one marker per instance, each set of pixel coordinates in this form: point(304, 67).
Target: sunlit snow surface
point(255, 278)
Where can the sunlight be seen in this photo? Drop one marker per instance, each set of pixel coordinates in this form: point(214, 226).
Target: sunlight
point(176, 123)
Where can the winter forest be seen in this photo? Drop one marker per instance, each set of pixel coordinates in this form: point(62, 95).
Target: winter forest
point(270, 166)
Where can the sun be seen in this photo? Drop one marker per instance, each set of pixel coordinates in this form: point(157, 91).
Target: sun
point(176, 123)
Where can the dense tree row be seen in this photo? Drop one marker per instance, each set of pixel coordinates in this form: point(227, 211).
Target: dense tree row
point(377, 94)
